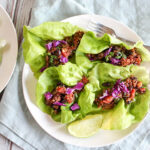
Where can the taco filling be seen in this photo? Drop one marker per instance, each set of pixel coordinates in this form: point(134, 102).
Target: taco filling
point(117, 55)
point(59, 51)
point(64, 94)
point(126, 90)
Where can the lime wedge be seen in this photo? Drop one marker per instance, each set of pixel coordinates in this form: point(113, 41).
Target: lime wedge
point(85, 127)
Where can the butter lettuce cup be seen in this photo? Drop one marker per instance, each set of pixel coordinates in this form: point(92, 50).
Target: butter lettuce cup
point(117, 98)
point(107, 48)
point(58, 90)
point(50, 44)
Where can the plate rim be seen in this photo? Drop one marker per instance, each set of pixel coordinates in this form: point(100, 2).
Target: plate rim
point(16, 45)
point(79, 145)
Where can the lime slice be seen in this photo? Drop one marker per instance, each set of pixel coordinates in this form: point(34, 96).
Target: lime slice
point(85, 127)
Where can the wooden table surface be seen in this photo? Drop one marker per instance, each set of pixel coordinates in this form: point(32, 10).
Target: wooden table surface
point(20, 12)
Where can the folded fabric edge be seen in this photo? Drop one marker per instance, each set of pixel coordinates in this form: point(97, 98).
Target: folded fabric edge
point(8, 133)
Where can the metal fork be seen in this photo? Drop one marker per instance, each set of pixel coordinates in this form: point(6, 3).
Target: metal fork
point(100, 29)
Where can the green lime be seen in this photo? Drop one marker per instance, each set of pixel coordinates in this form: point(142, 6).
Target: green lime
point(85, 127)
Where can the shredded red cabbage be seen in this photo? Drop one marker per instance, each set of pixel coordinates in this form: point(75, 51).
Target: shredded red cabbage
point(91, 58)
point(114, 61)
point(42, 69)
point(48, 45)
point(54, 44)
point(48, 95)
point(69, 90)
point(63, 42)
point(115, 93)
point(124, 87)
point(107, 52)
point(75, 106)
point(79, 86)
point(118, 88)
point(59, 104)
point(63, 59)
point(104, 94)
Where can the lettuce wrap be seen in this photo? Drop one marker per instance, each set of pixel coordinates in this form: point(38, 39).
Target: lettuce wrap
point(91, 44)
point(122, 115)
point(119, 117)
point(69, 74)
point(34, 50)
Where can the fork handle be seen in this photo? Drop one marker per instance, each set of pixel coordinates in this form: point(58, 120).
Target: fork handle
point(131, 42)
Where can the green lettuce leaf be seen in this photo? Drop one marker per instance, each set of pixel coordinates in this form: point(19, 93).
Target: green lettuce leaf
point(92, 44)
point(121, 116)
point(54, 30)
point(140, 107)
point(83, 62)
point(69, 74)
point(47, 82)
point(145, 54)
point(105, 72)
point(34, 50)
point(117, 118)
point(68, 116)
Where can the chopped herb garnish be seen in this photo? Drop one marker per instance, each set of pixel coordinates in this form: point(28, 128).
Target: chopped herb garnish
point(111, 54)
point(52, 57)
point(49, 54)
point(119, 55)
point(58, 48)
point(124, 56)
point(76, 95)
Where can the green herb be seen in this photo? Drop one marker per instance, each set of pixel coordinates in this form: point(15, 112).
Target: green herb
point(124, 56)
point(52, 57)
point(111, 54)
point(107, 58)
point(119, 55)
point(116, 100)
point(49, 54)
point(76, 95)
point(58, 48)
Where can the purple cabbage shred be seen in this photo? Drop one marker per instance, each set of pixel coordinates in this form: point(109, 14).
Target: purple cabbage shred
point(63, 59)
point(118, 88)
point(104, 95)
point(69, 90)
point(114, 61)
point(54, 44)
point(75, 106)
point(48, 95)
point(48, 45)
point(107, 52)
point(59, 104)
point(79, 86)
point(42, 69)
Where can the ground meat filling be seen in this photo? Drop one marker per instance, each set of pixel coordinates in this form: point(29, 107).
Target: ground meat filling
point(126, 90)
point(60, 53)
point(63, 94)
point(117, 55)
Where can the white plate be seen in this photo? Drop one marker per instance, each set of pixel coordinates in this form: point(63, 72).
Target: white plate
point(58, 130)
point(9, 52)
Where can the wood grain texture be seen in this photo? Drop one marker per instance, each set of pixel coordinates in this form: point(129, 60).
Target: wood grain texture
point(4, 143)
point(20, 12)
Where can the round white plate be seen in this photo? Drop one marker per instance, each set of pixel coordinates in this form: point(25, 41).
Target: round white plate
point(9, 52)
point(57, 130)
